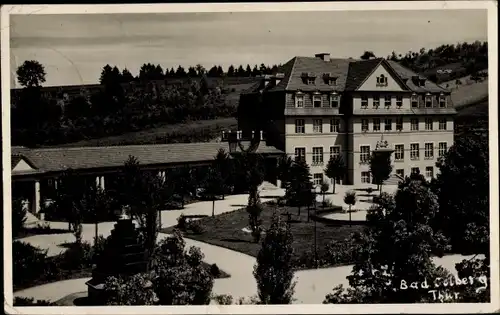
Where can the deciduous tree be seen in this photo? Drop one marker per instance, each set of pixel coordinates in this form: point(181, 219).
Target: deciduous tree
point(380, 168)
point(335, 169)
point(31, 74)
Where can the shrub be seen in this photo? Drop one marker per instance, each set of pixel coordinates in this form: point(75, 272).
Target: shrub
point(197, 227)
point(136, 290)
point(28, 262)
point(327, 204)
point(78, 256)
point(25, 301)
point(223, 299)
point(182, 223)
point(18, 217)
point(214, 270)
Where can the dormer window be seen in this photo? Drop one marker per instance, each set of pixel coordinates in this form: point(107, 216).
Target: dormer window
point(299, 100)
point(329, 79)
point(317, 100)
point(334, 100)
point(442, 101)
point(382, 80)
point(310, 81)
point(428, 101)
point(421, 82)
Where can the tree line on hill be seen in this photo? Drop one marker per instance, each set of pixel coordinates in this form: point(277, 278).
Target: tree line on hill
point(38, 119)
point(151, 72)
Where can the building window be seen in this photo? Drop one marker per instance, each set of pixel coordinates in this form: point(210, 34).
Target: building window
point(399, 123)
point(364, 156)
point(414, 151)
point(310, 81)
point(365, 177)
point(442, 147)
point(429, 151)
point(334, 125)
point(318, 125)
point(376, 101)
point(399, 101)
point(364, 125)
point(442, 124)
point(300, 153)
point(400, 172)
point(428, 101)
point(414, 101)
point(334, 100)
point(415, 170)
point(300, 126)
point(317, 179)
point(332, 81)
point(429, 172)
point(388, 124)
point(442, 101)
point(414, 124)
point(399, 152)
point(387, 100)
point(376, 124)
point(364, 101)
point(299, 101)
point(317, 101)
point(317, 156)
point(428, 124)
point(382, 80)
point(334, 151)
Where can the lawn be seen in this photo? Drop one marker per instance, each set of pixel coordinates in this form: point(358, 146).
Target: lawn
point(164, 134)
point(225, 230)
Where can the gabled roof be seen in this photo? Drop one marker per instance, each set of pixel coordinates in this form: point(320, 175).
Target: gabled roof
point(405, 73)
point(16, 158)
point(359, 71)
point(60, 159)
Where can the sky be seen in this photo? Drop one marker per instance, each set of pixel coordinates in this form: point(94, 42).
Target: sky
point(74, 48)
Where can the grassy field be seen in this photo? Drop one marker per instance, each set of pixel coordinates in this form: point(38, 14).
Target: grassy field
point(467, 93)
point(225, 230)
point(163, 134)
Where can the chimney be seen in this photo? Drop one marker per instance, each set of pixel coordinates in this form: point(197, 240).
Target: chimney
point(323, 56)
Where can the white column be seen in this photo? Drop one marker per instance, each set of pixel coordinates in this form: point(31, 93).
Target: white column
point(36, 198)
point(278, 183)
point(101, 182)
point(98, 181)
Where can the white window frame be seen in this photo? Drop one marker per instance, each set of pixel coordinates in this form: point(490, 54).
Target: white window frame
point(302, 149)
point(334, 99)
point(334, 125)
point(414, 153)
point(442, 149)
point(382, 80)
point(442, 124)
point(431, 168)
point(376, 124)
point(387, 126)
point(299, 127)
point(428, 151)
point(311, 81)
point(414, 127)
point(317, 128)
point(364, 125)
point(333, 149)
point(317, 98)
point(376, 101)
point(399, 155)
point(399, 100)
point(414, 101)
point(387, 100)
point(442, 101)
point(317, 156)
point(399, 124)
point(318, 180)
point(429, 126)
point(428, 98)
point(400, 172)
point(364, 101)
point(366, 177)
point(364, 157)
point(299, 99)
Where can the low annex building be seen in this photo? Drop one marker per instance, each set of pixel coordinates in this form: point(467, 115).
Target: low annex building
point(318, 107)
point(35, 172)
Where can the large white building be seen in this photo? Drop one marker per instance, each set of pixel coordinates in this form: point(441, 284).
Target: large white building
point(318, 107)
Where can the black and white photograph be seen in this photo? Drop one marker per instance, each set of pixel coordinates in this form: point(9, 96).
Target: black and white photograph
point(230, 157)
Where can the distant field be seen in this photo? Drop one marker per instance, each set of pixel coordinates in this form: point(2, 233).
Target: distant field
point(467, 93)
point(204, 130)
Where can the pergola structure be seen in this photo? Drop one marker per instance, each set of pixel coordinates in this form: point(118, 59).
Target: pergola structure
point(35, 172)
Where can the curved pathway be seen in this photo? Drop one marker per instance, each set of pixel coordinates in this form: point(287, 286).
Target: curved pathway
point(311, 288)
